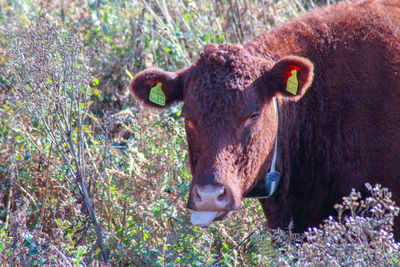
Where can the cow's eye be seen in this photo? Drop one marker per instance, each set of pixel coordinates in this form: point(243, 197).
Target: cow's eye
point(251, 119)
point(254, 116)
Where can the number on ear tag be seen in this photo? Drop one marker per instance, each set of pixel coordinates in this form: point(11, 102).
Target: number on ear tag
point(292, 83)
point(157, 95)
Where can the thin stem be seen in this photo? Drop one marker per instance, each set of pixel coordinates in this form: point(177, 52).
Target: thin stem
point(46, 186)
point(10, 191)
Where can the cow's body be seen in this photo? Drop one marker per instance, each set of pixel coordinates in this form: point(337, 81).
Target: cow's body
point(344, 132)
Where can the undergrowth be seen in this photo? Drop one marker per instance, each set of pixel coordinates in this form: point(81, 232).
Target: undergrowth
point(68, 125)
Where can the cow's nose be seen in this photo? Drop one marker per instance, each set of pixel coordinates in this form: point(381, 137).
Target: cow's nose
point(211, 197)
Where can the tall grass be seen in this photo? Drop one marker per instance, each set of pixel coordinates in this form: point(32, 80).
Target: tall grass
point(56, 128)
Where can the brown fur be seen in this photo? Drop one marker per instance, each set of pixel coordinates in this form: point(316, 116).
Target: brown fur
point(343, 132)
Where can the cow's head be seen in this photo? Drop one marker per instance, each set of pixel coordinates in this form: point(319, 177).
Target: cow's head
point(229, 119)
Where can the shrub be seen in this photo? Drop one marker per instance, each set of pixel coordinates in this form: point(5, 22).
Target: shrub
point(48, 72)
point(360, 235)
point(65, 127)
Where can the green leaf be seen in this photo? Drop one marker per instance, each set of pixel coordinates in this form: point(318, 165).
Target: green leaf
point(186, 17)
point(29, 3)
point(145, 236)
point(95, 82)
point(93, 4)
point(105, 29)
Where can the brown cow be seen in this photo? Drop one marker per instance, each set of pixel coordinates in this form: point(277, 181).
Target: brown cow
point(335, 73)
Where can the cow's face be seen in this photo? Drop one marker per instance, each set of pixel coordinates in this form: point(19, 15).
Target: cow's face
point(229, 119)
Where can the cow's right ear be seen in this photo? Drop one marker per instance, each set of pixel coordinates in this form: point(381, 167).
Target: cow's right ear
point(157, 88)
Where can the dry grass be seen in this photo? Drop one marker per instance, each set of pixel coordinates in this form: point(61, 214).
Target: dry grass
point(65, 119)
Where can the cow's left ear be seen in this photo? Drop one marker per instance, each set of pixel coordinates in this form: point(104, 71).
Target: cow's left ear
point(290, 77)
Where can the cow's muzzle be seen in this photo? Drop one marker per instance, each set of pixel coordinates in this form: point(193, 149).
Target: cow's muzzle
point(211, 197)
point(210, 203)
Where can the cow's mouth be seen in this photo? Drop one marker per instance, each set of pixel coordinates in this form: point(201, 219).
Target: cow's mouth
point(204, 218)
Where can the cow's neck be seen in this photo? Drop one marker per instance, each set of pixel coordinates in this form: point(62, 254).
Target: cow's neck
point(281, 207)
point(267, 186)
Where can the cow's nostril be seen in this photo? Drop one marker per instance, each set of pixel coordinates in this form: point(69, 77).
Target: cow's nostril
point(196, 194)
point(223, 195)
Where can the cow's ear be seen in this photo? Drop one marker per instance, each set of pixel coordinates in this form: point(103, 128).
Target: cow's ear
point(157, 88)
point(290, 77)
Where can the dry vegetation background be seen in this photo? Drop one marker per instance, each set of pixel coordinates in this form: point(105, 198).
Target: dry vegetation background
point(88, 176)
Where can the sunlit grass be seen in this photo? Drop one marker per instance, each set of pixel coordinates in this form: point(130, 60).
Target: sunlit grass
point(139, 174)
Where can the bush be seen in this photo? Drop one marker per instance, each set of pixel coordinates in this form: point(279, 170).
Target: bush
point(360, 235)
point(65, 127)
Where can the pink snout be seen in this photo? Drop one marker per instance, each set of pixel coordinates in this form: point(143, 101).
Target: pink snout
point(211, 197)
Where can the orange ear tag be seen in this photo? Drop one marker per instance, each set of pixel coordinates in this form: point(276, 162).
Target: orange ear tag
point(157, 95)
point(292, 83)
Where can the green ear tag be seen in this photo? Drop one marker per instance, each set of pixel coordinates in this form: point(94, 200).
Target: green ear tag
point(292, 83)
point(157, 95)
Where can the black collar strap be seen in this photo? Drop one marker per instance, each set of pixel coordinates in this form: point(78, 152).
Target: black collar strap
point(268, 185)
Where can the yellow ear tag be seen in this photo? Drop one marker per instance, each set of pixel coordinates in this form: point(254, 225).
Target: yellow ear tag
point(292, 83)
point(157, 95)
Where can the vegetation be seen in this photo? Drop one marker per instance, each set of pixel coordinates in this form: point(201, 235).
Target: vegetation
point(88, 176)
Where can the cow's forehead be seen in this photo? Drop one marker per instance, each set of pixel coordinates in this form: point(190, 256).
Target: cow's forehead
point(220, 82)
point(227, 64)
